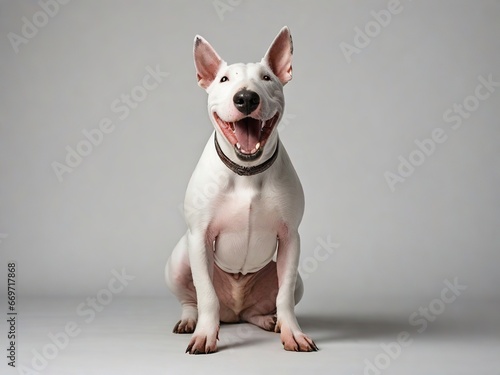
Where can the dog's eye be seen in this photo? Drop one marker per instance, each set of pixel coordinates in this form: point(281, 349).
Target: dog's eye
point(265, 77)
point(224, 79)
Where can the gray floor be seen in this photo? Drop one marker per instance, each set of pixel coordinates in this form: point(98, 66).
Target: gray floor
point(133, 336)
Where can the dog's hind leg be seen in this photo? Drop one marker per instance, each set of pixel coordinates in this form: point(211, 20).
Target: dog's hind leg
point(180, 281)
point(262, 299)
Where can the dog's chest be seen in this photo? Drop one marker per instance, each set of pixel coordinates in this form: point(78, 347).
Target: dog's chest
point(246, 223)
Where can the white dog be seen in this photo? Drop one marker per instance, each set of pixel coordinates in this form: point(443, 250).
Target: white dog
point(238, 260)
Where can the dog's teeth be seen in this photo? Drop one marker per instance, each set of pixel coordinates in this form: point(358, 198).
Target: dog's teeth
point(238, 146)
point(257, 146)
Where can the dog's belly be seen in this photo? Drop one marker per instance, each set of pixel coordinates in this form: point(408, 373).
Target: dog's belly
point(246, 235)
point(241, 296)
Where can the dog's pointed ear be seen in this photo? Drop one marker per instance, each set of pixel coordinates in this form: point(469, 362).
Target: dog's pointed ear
point(279, 56)
point(206, 61)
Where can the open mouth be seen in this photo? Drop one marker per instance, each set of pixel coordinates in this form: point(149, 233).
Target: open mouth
point(248, 135)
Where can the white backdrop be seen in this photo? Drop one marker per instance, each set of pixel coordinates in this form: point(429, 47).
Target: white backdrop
point(372, 81)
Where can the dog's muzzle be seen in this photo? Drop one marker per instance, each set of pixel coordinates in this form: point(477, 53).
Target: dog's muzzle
point(249, 134)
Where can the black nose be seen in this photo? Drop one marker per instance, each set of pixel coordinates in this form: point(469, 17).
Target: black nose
point(246, 101)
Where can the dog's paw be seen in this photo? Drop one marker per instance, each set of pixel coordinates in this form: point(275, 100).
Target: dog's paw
point(185, 326)
point(203, 343)
point(297, 341)
point(266, 322)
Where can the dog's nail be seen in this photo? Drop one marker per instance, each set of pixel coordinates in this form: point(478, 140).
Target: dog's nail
point(176, 328)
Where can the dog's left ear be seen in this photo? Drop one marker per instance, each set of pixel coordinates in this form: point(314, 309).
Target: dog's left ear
point(279, 56)
point(206, 61)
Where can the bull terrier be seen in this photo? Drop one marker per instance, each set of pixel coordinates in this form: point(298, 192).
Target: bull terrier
point(238, 260)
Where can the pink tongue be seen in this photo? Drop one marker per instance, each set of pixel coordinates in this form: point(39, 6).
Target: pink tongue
point(248, 133)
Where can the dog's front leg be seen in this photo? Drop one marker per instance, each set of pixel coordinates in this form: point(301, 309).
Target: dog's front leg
point(292, 336)
point(204, 339)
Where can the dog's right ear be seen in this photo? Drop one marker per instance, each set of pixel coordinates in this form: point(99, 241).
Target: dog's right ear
point(206, 61)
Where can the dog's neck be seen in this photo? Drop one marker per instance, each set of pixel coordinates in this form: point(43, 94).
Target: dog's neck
point(244, 170)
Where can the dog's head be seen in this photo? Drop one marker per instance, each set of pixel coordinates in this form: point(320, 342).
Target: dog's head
point(245, 101)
